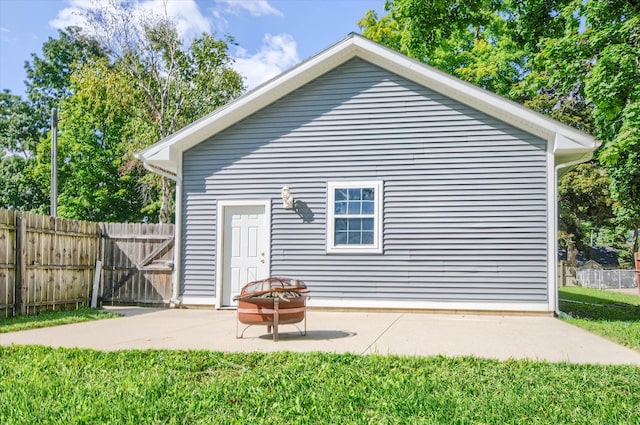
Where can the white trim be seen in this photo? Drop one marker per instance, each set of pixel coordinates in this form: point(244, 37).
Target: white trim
point(376, 248)
point(162, 153)
point(177, 239)
point(552, 229)
point(429, 305)
point(222, 205)
point(198, 300)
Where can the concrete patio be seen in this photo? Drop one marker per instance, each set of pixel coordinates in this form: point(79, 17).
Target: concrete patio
point(422, 334)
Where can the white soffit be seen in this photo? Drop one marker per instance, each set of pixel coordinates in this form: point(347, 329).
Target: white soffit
point(566, 139)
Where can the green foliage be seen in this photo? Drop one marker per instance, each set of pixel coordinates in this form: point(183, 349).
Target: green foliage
point(584, 203)
point(383, 30)
point(614, 86)
point(595, 63)
point(53, 318)
point(530, 21)
point(18, 189)
point(466, 39)
point(19, 131)
point(174, 84)
point(130, 83)
point(24, 124)
point(19, 135)
point(574, 60)
point(49, 76)
point(613, 315)
point(95, 184)
point(44, 385)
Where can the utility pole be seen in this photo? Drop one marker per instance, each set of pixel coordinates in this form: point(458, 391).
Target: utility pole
point(54, 162)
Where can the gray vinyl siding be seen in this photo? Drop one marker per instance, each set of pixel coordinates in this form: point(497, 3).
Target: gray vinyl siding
point(464, 194)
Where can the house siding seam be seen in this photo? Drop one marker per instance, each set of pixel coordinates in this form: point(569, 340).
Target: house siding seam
point(464, 194)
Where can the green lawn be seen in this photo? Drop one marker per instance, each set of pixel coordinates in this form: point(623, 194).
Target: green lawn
point(72, 386)
point(52, 318)
point(610, 314)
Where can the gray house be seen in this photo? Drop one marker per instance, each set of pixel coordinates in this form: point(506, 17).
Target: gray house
point(379, 181)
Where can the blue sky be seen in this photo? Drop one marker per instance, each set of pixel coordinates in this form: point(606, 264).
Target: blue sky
point(272, 35)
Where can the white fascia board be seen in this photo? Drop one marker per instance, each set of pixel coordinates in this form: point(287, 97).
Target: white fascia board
point(160, 156)
point(358, 46)
point(568, 153)
point(564, 145)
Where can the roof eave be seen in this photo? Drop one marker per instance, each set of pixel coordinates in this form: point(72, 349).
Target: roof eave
point(164, 153)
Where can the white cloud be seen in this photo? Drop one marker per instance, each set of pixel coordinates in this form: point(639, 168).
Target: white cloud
point(73, 14)
point(190, 22)
point(277, 54)
point(4, 36)
point(254, 7)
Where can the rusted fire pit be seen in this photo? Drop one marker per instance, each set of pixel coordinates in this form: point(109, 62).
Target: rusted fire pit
point(272, 302)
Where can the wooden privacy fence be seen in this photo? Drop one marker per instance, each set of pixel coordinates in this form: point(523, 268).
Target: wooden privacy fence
point(44, 262)
point(47, 263)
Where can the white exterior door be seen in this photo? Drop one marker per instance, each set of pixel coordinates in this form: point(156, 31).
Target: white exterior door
point(245, 245)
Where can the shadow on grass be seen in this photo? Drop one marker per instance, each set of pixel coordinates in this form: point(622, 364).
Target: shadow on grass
point(53, 318)
point(595, 307)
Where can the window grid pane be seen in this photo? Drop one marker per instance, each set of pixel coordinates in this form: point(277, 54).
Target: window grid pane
point(354, 231)
point(354, 202)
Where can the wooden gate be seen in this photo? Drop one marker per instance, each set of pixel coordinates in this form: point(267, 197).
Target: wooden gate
point(137, 263)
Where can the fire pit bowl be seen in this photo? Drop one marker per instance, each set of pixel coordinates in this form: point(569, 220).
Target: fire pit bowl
point(273, 301)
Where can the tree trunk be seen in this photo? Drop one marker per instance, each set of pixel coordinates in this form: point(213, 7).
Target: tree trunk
point(572, 253)
point(635, 239)
point(165, 203)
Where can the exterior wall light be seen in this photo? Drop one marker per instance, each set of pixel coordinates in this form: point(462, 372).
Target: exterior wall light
point(287, 199)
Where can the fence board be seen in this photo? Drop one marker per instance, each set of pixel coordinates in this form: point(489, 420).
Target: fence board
point(136, 258)
point(55, 266)
point(60, 256)
point(7, 262)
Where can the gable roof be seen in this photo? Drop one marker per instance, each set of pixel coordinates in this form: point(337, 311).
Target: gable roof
point(570, 145)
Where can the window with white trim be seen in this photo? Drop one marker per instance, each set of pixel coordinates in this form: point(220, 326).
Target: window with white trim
point(354, 216)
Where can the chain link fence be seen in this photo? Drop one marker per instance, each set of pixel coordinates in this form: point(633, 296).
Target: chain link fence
point(607, 279)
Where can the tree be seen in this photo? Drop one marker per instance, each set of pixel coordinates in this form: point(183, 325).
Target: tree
point(593, 68)
point(584, 203)
point(25, 123)
point(19, 135)
point(177, 85)
point(94, 183)
point(467, 39)
point(49, 76)
point(614, 86)
point(575, 60)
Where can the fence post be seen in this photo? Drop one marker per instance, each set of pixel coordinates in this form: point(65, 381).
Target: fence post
point(619, 279)
point(21, 267)
point(96, 284)
point(637, 255)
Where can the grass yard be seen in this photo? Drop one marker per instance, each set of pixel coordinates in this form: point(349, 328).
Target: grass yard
point(613, 315)
point(72, 386)
point(52, 318)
